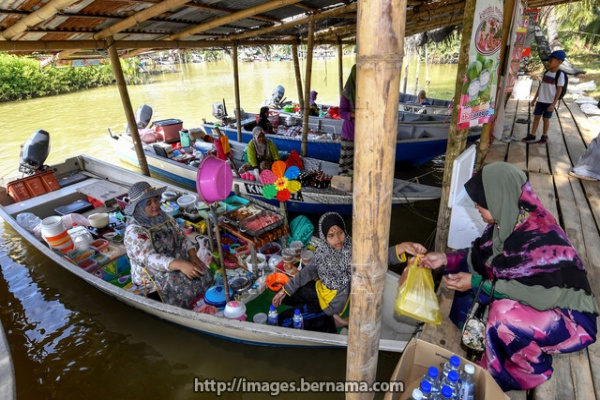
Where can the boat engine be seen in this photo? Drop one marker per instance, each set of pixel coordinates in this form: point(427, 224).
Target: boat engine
point(143, 115)
point(219, 111)
point(34, 152)
point(277, 98)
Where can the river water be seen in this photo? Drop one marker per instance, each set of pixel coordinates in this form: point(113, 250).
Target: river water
point(69, 340)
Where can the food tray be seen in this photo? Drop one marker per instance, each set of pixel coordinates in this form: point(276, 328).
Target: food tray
point(260, 223)
point(236, 216)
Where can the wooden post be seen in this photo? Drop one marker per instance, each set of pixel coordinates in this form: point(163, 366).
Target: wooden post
point(307, 79)
point(298, 75)
point(122, 85)
point(236, 89)
point(406, 75)
point(457, 139)
point(426, 69)
point(340, 65)
point(380, 44)
point(418, 70)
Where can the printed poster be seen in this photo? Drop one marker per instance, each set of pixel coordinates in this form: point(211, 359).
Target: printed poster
point(481, 81)
point(530, 15)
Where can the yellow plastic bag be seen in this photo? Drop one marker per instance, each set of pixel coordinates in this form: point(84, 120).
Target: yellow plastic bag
point(416, 297)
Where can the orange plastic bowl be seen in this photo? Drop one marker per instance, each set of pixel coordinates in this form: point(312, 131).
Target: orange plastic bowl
point(276, 280)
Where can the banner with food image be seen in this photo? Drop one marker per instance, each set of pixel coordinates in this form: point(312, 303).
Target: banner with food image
point(481, 80)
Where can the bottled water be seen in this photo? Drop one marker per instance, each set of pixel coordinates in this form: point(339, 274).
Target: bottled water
point(298, 321)
point(451, 381)
point(416, 395)
point(467, 389)
point(451, 365)
point(444, 394)
point(432, 376)
point(272, 316)
point(426, 389)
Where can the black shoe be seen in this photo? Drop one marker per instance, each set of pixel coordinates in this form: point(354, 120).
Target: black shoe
point(543, 139)
point(529, 139)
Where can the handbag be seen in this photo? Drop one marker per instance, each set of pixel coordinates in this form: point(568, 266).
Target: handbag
point(474, 329)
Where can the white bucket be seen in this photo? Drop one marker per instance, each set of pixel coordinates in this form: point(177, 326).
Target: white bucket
point(52, 226)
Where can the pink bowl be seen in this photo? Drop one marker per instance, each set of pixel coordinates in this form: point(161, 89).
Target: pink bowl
point(214, 180)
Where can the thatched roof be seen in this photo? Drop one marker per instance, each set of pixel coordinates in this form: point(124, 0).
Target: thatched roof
point(74, 28)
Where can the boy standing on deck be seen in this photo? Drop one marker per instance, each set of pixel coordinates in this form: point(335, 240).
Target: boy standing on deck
point(547, 96)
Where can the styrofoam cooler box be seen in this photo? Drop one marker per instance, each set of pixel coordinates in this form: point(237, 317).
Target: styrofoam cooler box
point(169, 129)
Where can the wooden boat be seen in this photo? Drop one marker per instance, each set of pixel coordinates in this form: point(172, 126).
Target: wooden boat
point(7, 371)
point(417, 143)
point(308, 200)
point(78, 172)
point(438, 107)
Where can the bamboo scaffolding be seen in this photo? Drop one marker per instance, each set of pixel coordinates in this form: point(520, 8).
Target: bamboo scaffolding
point(307, 82)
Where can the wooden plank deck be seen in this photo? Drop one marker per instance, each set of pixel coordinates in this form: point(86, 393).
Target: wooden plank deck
point(576, 205)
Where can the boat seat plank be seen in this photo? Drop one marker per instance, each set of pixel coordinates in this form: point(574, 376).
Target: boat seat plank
point(103, 191)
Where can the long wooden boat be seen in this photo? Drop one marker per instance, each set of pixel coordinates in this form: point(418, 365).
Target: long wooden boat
point(7, 371)
point(81, 171)
point(307, 200)
point(417, 143)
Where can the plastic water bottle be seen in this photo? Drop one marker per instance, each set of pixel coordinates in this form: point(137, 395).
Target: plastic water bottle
point(272, 316)
point(426, 389)
point(452, 382)
point(432, 377)
point(416, 395)
point(298, 321)
point(444, 394)
point(451, 365)
point(467, 389)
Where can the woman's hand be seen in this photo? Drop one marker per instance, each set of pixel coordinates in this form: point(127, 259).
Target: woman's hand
point(434, 260)
point(410, 248)
point(278, 298)
point(460, 281)
point(339, 321)
point(189, 269)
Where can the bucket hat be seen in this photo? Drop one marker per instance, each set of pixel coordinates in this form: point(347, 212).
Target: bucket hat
point(141, 191)
point(558, 54)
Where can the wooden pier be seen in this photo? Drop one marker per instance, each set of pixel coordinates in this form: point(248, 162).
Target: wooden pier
point(576, 205)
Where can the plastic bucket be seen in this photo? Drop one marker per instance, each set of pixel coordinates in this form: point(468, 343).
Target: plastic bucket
point(235, 310)
point(52, 226)
point(214, 180)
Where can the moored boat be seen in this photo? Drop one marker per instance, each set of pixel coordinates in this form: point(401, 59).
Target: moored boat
point(77, 178)
point(308, 200)
point(436, 107)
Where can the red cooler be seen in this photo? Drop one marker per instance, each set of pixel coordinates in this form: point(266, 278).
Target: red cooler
point(168, 129)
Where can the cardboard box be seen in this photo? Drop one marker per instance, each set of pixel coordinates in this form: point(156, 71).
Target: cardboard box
point(420, 355)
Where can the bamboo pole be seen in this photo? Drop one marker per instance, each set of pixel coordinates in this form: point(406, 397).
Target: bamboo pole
point(122, 85)
point(340, 66)
point(307, 79)
point(236, 88)
point(380, 44)
point(418, 70)
point(298, 75)
point(457, 139)
point(47, 11)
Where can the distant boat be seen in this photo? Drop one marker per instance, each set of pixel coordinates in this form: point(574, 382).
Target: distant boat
point(417, 143)
point(436, 107)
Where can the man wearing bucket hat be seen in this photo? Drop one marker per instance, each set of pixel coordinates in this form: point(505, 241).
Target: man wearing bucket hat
point(547, 96)
point(163, 261)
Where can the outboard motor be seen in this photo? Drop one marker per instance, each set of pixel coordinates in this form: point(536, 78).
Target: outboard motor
point(277, 97)
point(143, 115)
point(34, 152)
point(218, 110)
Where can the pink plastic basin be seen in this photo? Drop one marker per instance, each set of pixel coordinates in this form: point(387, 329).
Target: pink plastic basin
point(214, 180)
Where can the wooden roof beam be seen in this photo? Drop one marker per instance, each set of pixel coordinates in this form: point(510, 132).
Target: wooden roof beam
point(49, 10)
point(301, 21)
point(247, 13)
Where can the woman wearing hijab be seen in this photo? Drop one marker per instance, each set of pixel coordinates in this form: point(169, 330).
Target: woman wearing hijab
point(163, 261)
point(314, 107)
point(263, 120)
point(542, 301)
point(322, 288)
point(261, 152)
point(347, 107)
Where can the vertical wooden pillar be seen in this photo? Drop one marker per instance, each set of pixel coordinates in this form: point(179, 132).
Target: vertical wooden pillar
point(298, 76)
point(380, 45)
point(236, 90)
point(418, 70)
point(307, 79)
point(340, 65)
point(457, 139)
point(122, 86)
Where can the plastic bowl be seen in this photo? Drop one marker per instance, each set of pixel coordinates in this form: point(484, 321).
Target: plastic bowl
point(214, 180)
point(99, 220)
point(186, 200)
point(170, 207)
point(260, 318)
point(235, 310)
